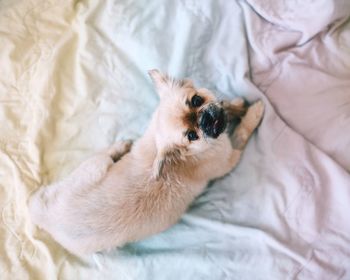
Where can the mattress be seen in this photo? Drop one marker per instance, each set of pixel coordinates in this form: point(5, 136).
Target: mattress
point(73, 79)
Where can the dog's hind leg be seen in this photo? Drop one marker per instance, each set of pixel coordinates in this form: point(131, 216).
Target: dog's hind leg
point(48, 198)
point(92, 170)
point(86, 176)
point(88, 173)
point(118, 149)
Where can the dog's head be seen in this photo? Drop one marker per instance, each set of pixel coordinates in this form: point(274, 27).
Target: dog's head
point(188, 121)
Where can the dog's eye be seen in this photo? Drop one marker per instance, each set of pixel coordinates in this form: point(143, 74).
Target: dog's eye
point(192, 135)
point(196, 101)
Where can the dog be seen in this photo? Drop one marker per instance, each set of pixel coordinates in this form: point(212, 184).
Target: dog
point(128, 192)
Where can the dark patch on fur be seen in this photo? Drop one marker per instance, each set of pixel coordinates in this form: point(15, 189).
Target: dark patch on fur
point(190, 120)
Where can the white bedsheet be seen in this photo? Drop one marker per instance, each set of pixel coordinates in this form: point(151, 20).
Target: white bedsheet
point(73, 79)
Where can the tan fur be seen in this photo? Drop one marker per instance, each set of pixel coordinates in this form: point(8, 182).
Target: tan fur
point(124, 193)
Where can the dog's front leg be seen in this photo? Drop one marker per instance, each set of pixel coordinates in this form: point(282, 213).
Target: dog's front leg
point(245, 129)
point(235, 109)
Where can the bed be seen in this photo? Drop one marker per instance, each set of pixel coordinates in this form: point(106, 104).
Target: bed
point(73, 79)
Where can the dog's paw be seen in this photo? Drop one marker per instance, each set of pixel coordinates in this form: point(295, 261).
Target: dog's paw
point(119, 149)
point(238, 102)
point(255, 113)
point(125, 145)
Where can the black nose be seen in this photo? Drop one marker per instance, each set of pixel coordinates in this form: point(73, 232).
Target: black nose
point(212, 121)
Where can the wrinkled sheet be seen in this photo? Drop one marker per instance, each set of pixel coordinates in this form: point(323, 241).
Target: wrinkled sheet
point(73, 79)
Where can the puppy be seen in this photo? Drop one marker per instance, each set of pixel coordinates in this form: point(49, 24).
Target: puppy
point(128, 192)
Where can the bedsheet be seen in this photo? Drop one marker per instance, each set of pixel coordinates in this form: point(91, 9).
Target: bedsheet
point(73, 79)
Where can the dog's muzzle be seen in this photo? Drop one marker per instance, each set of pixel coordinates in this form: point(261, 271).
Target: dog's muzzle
point(212, 120)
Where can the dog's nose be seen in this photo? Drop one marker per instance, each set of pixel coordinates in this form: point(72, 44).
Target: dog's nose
point(212, 121)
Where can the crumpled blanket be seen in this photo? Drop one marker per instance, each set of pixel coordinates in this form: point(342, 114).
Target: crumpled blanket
point(73, 79)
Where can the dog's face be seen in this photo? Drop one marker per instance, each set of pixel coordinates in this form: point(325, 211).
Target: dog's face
point(188, 121)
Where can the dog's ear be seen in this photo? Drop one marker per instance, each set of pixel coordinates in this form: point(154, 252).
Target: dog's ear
point(165, 160)
point(163, 81)
point(160, 80)
point(187, 83)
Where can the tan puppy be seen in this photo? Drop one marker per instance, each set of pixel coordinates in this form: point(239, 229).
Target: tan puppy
point(125, 194)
